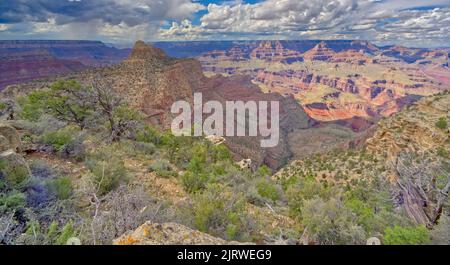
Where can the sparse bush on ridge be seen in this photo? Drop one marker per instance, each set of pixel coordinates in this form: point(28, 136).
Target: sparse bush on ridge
point(442, 123)
point(222, 214)
point(108, 170)
point(57, 139)
point(162, 168)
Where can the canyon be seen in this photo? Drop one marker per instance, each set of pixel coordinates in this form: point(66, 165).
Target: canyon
point(331, 93)
point(26, 60)
point(337, 82)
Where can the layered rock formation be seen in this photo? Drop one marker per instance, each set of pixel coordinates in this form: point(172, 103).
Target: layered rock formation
point(273, 51)
point(416, 153)
point(26, 60)
point(319, 53)
point(351, 57)
point(292, 117)
point(355, 79)
point(24, 66)
point(151, 81)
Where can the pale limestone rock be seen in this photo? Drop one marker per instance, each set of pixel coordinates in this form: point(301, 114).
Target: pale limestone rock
point(169, 234)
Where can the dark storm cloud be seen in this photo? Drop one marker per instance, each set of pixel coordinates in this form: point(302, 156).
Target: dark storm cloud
point(109, 11)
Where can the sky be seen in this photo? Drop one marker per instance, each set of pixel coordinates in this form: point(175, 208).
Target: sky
point(418, 23)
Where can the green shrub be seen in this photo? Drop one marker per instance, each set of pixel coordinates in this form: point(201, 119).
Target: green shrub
point(66, 233)
point(57, 139)
point(362, 210)
point(442, 123)
point(162, 168)
point(264, 171)
point(304, 189)
point(329, 222)
point(33, 105)
point(398, 235)
point(13, 200)
point(145, 148)
point(37, 234)
point(149, 135)
point(442, 152)
point(221, 153)
point(221, 214)
point(194, 182)
point(15, 171)
point(61, 187)
point(108, 170)
point(268, 190)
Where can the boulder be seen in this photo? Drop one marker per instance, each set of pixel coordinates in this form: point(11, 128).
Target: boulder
point(245, 164)
point(4, 144)
point(168, 234)
point(11, 135)
point(14, 168)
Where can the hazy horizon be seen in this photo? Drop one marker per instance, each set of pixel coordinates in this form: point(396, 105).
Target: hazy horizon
point(383, 22)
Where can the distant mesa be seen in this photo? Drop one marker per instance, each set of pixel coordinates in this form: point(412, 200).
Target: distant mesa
point(352, 57)
point(27, 60)
point(35, 64)
point(274, 51)
point(320, 52)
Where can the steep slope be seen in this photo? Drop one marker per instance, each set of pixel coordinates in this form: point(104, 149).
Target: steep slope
point(410, 150)
point(150, 81)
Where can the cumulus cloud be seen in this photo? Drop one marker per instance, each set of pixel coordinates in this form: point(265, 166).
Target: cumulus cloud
point(114, 12)
point(184, 30)
point(282, 15)
point(385, 22)
point(410, 22)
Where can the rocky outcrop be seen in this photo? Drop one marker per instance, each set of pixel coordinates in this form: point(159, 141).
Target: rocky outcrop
point(240, 88)
point(151, 81)
point(143, 53)
point(169, 234)
point(320, 52)
point(9, 138)
point(352, 57)
point(415, 152)
point(13, 167)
